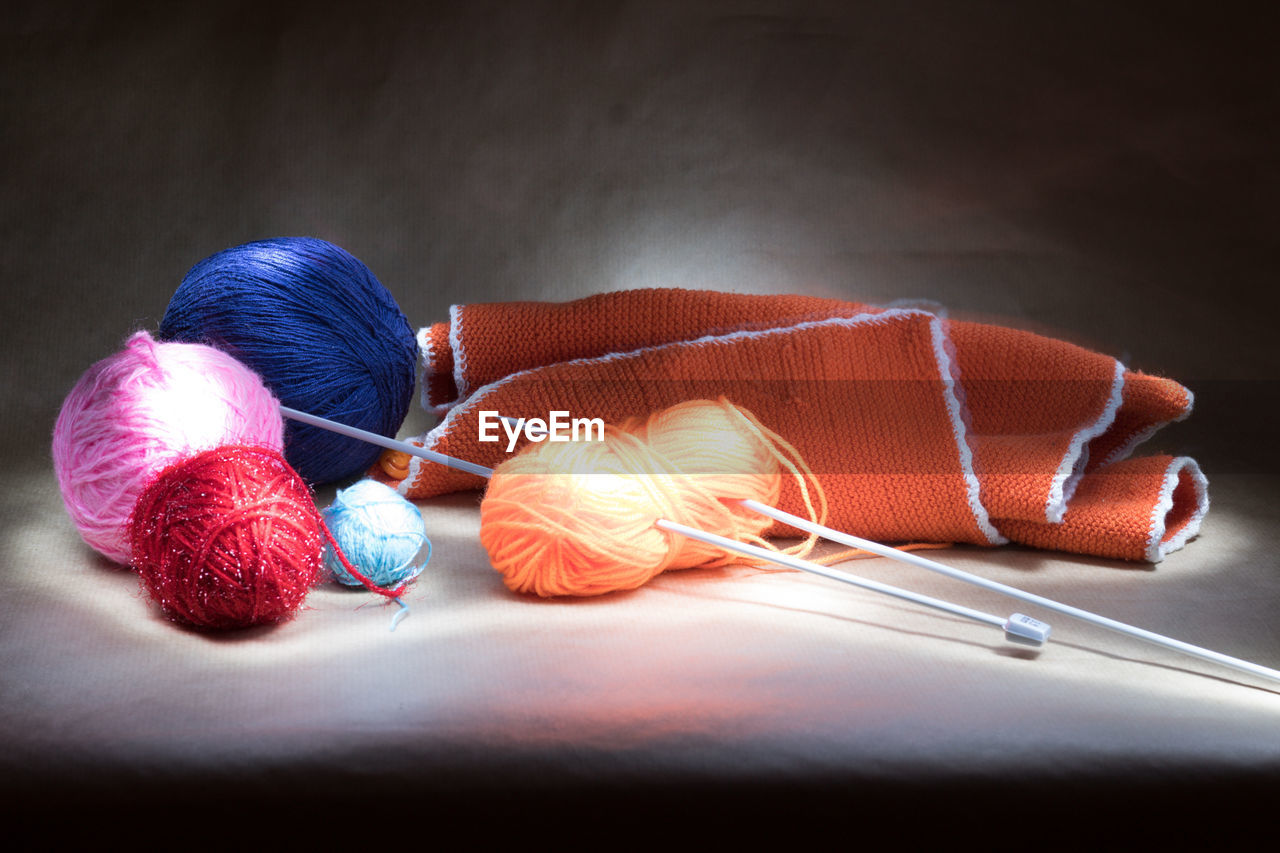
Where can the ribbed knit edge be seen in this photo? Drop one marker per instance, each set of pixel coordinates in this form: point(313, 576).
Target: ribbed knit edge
point(1157, 546)
point(1076, 459)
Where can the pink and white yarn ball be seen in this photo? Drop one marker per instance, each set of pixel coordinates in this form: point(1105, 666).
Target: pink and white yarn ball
point(137, 412)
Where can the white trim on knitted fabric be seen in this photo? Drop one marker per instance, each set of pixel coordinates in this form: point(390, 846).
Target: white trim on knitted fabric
point(1123, 451)
point(1074, 461)
point(459, 355)
point(948, 370)
point(943, 362)
point(1157, 547)
point(425, 349)
point(415, 468)
point(441, 410)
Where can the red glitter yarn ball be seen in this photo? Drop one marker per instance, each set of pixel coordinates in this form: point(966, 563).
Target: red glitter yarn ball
point(228, 538)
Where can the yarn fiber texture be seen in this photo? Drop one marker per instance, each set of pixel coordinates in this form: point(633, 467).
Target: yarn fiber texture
point(135, 413)
point(578, 518)
point(322, 332)
point(380, 532)
point(229, 538)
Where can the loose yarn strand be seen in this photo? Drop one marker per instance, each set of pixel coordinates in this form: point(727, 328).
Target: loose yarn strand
point(805, 548)
point(786, 454)
point(393, 594)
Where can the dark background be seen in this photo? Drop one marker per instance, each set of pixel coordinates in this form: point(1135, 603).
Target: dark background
point(1101, 171)
point(1104, 172)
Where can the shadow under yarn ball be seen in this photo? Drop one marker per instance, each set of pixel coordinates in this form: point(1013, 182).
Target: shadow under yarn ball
point(323, 333)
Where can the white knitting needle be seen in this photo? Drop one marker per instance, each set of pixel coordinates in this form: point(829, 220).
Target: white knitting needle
point(1084, 615)
point(383, 441)
point(1018, 628)
point(1048, 603)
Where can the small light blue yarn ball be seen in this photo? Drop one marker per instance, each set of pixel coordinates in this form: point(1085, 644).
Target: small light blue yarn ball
point(380, 532)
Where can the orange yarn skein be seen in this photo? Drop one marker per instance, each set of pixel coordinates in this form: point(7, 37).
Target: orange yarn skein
point(577, 518)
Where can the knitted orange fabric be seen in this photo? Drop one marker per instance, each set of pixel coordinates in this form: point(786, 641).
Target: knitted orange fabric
point(918, 428)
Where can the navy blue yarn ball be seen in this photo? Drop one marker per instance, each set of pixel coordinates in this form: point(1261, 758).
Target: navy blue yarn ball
point(323, 333)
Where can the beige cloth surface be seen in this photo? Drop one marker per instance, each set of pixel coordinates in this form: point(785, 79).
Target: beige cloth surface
point(702, 683)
